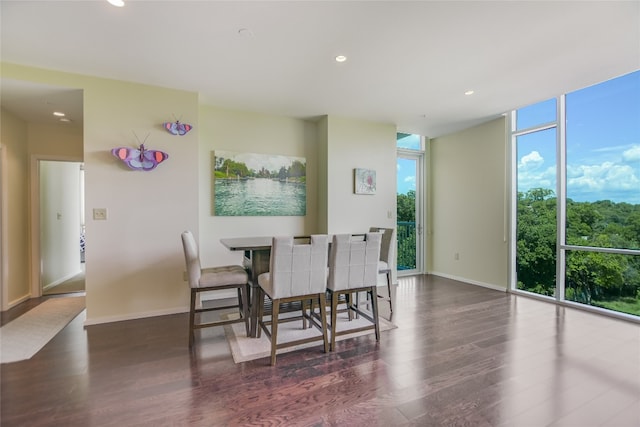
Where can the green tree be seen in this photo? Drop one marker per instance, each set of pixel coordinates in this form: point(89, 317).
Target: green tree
point(297, 169)
point(406, 206)
point(536, 241)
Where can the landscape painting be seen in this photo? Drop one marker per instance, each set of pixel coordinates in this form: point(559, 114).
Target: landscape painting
point(250, 184)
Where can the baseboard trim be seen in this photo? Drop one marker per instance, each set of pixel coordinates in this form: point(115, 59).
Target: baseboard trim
point(61, 280)
point(134, 316)
point(469, 281)
point(18, 301)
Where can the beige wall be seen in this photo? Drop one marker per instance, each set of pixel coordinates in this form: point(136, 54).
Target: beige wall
point(134, 260)
point(14, 134)
point(360, 144)
point(242, 131)
point(57, 140)
point(469, 205)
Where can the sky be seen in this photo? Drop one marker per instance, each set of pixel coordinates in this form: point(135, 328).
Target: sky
point(603, 143)
point(407, 167)
point(406, 175)
point(271, 162)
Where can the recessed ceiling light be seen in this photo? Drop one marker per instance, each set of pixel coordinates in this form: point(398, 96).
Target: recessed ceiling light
point(64, 119)
point(469, 92)
point(117, 3)
point(58, 114)
point(341, 58)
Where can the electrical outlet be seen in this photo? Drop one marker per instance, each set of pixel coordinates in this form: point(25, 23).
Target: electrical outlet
point(456, 256)
point(100, 214)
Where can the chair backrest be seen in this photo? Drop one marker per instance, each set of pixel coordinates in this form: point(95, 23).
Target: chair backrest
point(298, 268)
point(388, 245)
point(353, 261)
point(191, 258)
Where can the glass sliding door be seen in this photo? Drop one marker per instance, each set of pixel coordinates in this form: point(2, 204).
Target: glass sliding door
point(409, 204)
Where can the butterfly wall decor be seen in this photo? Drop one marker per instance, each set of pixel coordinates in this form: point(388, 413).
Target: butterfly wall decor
point(140, 158)
point(177, 128)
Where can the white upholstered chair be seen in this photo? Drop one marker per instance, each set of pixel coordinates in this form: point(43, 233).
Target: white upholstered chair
point(297, 272)
point(387, 260)
point(353, 267)
point(213, 279)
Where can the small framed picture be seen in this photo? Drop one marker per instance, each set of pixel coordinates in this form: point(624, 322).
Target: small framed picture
point(364, 181)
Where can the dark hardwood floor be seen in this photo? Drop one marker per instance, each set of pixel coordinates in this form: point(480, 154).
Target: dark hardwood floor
point(461, 355)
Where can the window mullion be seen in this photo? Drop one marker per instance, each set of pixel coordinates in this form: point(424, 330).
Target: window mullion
point(561, 199)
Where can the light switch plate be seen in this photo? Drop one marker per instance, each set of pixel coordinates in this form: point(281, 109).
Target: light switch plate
point(100, 214)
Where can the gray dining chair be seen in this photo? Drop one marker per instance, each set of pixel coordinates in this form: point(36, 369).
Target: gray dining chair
point(297, 273)
point(387, 260)
point(353, 268)
point(213, 279)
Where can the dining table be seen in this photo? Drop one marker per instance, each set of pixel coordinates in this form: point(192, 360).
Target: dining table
point(256, 256)
point(257, 252)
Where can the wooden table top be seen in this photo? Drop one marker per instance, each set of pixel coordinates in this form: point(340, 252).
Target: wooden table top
point(247, 243)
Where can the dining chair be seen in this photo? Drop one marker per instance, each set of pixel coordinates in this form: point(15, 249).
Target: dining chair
point(297, 273)
point(213, 279)
point(353, 268)
point(387, 259)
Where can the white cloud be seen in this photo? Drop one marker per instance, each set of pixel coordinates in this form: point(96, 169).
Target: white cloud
point(531, 161)
point(632, 154)
point(618, 181)
point(603, 181)
point(533, 174)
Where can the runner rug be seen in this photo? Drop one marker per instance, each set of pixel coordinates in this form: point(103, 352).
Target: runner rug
point(244, 349)
point(23, 337)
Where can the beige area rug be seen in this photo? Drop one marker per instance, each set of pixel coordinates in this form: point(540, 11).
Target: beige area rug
point(23, 337)
point(244, 349)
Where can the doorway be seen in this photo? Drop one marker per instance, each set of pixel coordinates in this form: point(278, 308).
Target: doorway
point(61, 226)
point(409, 212)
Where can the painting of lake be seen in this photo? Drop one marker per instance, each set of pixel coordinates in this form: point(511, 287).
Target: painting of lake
point(250, 184)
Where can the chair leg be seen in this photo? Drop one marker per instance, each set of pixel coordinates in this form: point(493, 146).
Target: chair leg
point(244, 303)
point(389, 290)
point(275, 312)
point(334, 318)
point(192, 317)
point(374, 310)
point(323, 316)
point(260, 312)
point(305, 303)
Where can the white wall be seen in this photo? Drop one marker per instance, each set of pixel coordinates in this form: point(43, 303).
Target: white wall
point(469, 213)
point(60, 224)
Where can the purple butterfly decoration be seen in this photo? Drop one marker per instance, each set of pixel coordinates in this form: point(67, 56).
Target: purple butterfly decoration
point(177, 128)
point(140, 158)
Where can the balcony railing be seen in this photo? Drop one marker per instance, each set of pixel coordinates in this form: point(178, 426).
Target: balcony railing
point(406, 245)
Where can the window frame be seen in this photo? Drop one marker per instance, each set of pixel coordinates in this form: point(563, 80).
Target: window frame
point(561, 214)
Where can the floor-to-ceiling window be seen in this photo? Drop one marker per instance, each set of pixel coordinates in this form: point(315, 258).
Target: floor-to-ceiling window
point(410, 220)
point(577, 199)
point(536, 141)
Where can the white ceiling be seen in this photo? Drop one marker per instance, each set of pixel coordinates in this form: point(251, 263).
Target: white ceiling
point(409, 63)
